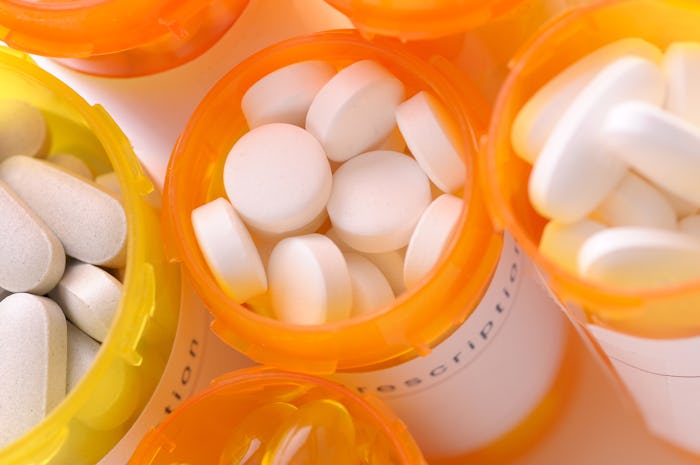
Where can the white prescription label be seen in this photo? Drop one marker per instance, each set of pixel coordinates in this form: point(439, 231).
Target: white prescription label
point(484, 379)
point(663, 377)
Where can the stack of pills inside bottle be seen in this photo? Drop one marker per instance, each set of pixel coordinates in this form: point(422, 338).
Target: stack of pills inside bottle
point(326, 216)
point(62, 242)
point(615, 145)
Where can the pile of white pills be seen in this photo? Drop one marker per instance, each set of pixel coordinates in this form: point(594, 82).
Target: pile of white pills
point(60, 233)
point(615, 145)
point(326, 216)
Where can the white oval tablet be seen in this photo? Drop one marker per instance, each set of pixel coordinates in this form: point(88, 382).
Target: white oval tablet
point(31, 256)
point(23, 130)
point(430, 237)
point(681, 64)
point(32, 362)
point(82, 350)
point(89, 297)
point(71, 163)
point(229, 250)
point(355, 110)
point(574, 173)
point(309, 281)
point(284, 95)
point(433, 141)
point(690, 225)
point(90, 222)
point(640, 258)
point(635, 202)
point(377, 199)
point(370, 288)
point(537, 118)
point(278, 178)
point(659, 145)
point(561, 242)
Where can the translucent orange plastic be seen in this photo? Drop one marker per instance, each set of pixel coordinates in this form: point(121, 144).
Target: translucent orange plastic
point(117, 37)
point(664, 313)
point(418, 319)
point(198, 430)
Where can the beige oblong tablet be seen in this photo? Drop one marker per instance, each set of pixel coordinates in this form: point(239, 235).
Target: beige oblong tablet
point(32, 362)
point(31, 256)
point(89, 296)
point(89, 221)
point(82, 350)
point(23, 130)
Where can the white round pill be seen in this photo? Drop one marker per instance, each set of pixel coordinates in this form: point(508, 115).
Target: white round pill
point(377, 200)
point(229, 250)
point(430, 237)
point(284, 96)
point(23, 130)
point(309, 281)
point(636, 202)
point(561, 242)
point(71, 163)
point(32, 258)
point(659, 145)
point(370, 288)
point(542, 112)
point(640, 258)
point(278, 178)
point(355, 110)
point(433, 141)
point(574, 172)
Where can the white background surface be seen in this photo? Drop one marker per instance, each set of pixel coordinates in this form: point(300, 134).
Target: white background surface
point(596, 427)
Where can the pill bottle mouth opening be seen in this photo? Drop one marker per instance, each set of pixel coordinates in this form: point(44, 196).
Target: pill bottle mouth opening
point(659, 313)
point(241, 392)
point(117, 37)
point(97, 412)
point(418, 20)
point(416, 320)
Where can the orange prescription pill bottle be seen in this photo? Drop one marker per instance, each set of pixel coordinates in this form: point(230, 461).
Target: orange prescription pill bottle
point(651, 337)
point(101, 408)
point(469, 358)
point(294, 418)
point(117, 37)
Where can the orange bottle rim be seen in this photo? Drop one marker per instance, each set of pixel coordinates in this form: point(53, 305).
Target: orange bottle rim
point(608, 301)
point(418, 319)
point(256, 379)
point(421, 20)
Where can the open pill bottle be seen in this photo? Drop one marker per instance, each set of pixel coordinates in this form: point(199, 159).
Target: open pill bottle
point(246, 406)
point(97, 412)
point(440, 373)
point(651, 336)
point(117, 38)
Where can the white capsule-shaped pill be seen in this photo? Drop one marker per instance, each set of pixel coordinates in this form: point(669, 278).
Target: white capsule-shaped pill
point(636, 202)
point(285, 95)
point(229, 250)
point(690, 225)
point(82, 350)
point(561, 242)
point(32, 362)
point(89, 297)
point(640, 258)
point(377, 199)
point(71, 163)
point(433, 140)
point(355, 110)
point(89, 221)
point(430, 237)
point(370, 288)
point(681, 64)
point(309, 281)
point(574, 172)
point(659, 145)
point(31, 256)
point(278, 178)
point(537, 118)
point(23, 130)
